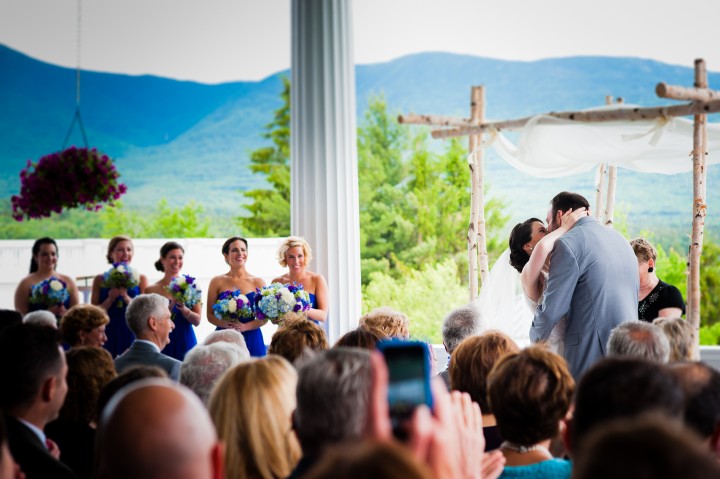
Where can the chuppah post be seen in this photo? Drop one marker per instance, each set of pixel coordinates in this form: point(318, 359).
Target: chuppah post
point(476, 238)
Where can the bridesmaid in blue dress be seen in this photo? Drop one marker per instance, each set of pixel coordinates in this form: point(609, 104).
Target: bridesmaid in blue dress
point(235, 251)
point(42, 267)
point(116, 300)
point(182, 338)
point(295, 254)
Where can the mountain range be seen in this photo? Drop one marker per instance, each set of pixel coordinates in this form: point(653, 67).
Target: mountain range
point(184, 140)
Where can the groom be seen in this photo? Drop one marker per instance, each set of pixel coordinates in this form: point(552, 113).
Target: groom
point(593, 281)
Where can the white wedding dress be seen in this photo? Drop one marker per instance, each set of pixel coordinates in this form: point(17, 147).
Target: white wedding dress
point(503, 306)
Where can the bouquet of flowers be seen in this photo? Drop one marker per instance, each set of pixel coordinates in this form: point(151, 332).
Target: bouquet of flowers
point(273, 301)
point(232, 306)
point(184, 290)
point(121, 275)
point(50, 292)
point(75, 177)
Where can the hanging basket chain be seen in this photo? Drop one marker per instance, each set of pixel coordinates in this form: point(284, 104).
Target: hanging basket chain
point(77, 118)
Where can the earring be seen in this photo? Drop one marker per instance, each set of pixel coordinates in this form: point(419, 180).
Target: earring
point(651, 269)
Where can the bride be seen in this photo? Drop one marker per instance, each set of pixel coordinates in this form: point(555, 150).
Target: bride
point(507, 300)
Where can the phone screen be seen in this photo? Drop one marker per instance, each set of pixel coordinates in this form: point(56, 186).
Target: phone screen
point(409, 378)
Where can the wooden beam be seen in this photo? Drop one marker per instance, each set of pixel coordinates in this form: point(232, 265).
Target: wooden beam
point(433, 120)
point(593, 116)
point(476, 236)
point(676, 92)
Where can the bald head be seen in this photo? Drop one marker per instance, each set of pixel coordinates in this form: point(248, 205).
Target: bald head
point(154, 429)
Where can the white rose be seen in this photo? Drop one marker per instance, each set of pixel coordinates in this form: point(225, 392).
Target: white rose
point(180, 280)
point(232, 305)
point(121, 268)
point(287, 296)
point(136, 275)
point(56, 285)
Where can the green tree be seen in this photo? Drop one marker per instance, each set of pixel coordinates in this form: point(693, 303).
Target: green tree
point(165, 221)
point(270, 207)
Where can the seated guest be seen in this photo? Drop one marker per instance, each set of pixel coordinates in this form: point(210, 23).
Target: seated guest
point(32, 393)
point(148, 317)
point(332, 402)
point(157, 429)
point(8, 317)
point(42, 317)
point(89, 370)
point(460, 324)
point(700, 384)
point(358, 338)
point(622, 388)
point(470, 365)
point(296, 335)
point(530, 394)
point(680, 335)
point(386, 323)
point(203, 366)
point(647, 447)
point(129, 376)
point(251, 408)
point(84, 325)
point(656, 298)
point(227, 336)
point(370, 459)
point(638, 339)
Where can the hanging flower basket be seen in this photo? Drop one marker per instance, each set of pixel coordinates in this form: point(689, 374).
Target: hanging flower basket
point(72, 178)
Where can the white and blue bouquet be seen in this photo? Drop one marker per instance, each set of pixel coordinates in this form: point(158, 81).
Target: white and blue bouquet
point(121, 275)
point(50, 292)
point(184, 290)
point(232, 306)
point(275, 300)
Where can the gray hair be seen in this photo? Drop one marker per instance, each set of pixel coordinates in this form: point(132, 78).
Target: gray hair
point(680, 334)
point(227, 336)
point(41, 318)
point(141, 308)
point(332, 397)
point(204, 364)
point(639, 339)
point(459, 324)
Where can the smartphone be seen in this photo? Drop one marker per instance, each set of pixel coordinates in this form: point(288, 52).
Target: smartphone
point(408, 364)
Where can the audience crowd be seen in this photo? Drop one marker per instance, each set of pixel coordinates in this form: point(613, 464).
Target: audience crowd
point(308, 410)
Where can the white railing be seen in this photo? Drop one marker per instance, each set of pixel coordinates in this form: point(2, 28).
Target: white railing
point(86, 258)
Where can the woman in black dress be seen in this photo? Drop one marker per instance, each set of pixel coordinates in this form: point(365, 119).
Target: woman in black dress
point(657, 299)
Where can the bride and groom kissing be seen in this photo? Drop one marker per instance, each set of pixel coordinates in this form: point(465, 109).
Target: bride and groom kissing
point(580, 278)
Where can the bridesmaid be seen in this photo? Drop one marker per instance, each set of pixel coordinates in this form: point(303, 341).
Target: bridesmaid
point(116, 300)
point(295, 254)
point(235, 251)
point(42, 267)
point(182, 338)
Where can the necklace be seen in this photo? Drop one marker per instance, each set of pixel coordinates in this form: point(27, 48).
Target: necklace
point(524, 449)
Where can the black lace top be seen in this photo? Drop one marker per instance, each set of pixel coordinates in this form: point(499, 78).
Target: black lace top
point(662, 296)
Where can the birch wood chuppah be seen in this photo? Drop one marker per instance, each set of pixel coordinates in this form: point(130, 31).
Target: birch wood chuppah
point(702, 101)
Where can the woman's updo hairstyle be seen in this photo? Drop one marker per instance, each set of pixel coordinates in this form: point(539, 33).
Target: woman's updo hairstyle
point(520, 235)
point(229, 241)
point(164, 250)
point(36, 251)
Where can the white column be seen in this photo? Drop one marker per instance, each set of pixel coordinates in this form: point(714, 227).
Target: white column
point(324, 184)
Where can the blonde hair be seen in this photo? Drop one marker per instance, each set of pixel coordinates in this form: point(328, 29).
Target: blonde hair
point(113, 243)
point(292, 242)
point(643, 250)
point(251, 407)
point(386, 323)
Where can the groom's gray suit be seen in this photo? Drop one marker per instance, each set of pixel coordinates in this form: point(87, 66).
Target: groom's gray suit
point(594, 281)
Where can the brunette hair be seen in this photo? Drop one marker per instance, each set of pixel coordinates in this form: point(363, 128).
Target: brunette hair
point(472, 360)
point(113, 243)
point(89, 371)
point(358, 338)
point(520, 235)
point(164, 250)
point(81, 317)
point(36, 250)
point(530, 392)
point(566, 200)
point(229, 241)
point(644, 251)
point(295, 336)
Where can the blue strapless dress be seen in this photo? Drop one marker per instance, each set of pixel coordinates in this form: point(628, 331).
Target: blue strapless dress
point(182, 338)
point(313, 304)
point(253, 339)
point(119, 336)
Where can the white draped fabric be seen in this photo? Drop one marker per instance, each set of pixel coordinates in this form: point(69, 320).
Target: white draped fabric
point(549, 147)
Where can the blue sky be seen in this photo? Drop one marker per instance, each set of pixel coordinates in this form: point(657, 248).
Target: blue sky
point(214, 41)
